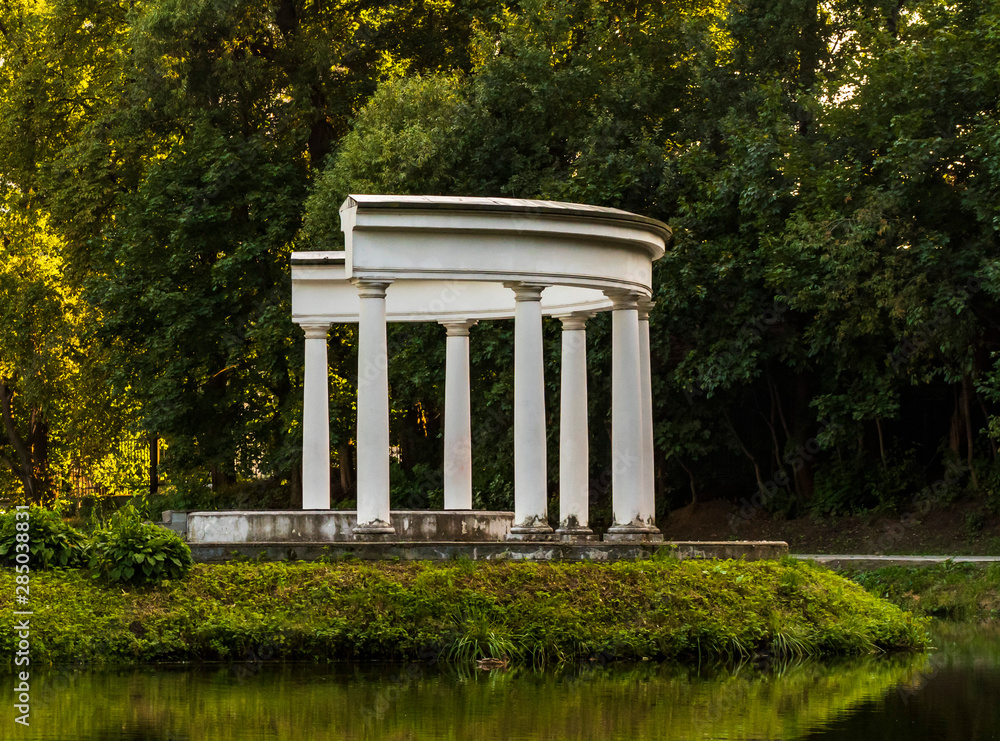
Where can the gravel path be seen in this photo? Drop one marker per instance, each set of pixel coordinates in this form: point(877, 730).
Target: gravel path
point(856, 560)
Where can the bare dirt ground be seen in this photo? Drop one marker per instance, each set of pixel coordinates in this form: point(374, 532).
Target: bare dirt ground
point(963, 528)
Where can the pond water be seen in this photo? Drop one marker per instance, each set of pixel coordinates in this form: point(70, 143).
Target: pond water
point(950, 693)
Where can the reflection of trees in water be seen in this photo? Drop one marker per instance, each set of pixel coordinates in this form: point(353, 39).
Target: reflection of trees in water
point(588, 702)
point(672, 702)
point(956, 696)
point(952, 704)
point(136, 735)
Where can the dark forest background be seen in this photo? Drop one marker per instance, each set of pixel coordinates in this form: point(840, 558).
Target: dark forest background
point(827, 319)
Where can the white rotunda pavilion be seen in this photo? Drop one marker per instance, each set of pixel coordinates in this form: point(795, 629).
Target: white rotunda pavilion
point(459, 261)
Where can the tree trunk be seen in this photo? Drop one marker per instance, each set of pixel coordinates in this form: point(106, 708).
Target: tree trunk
point(955, 431)
point(694, 491)
point(776, 409)
point(222, 477)
point(295, 484)
point(966, 393)
point(154, 463)
point(40, 453)
point(881, 443)
point(746, 452)
point(25, 469)
point(986, 416)
point(804, 481)
point(346, 465)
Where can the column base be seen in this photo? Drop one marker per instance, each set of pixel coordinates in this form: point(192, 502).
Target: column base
point(633, 533)
point(576, 535)
point(527, 533)
point(374, 532)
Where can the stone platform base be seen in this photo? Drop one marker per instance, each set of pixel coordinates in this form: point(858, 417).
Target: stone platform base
point(287, 527)
point(530, 537)
point(643, 537)
point(447, 551)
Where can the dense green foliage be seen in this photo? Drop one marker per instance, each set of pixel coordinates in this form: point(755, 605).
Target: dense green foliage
point(130, 551)
point(826, 323)
point(958, 591)
point(51, 542)
point(825, 318)
point(538, 613)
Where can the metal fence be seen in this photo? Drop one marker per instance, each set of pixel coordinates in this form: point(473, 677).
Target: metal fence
point(127, 470)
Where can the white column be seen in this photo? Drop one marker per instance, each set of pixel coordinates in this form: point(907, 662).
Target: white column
point(457, 418)
point(648, 504)
point(530, 473)
point(316, 420)
point(373, 414)
point(627, 424)
point(574, 447)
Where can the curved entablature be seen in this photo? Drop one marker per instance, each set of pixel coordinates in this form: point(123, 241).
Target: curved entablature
point(323, 293)
point(495, 239)
point(450, 258)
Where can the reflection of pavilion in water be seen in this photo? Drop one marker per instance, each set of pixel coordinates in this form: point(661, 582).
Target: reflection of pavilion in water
point(460, 261)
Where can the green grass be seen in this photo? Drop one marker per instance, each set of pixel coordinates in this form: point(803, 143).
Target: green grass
point(535, 613)
point(954, 591)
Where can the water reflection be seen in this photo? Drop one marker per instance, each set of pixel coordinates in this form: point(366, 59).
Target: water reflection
point(952, 693)
point(956, 697)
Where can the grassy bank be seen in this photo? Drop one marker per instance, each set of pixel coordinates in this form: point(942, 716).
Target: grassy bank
point(956, 591)
point(527, 612)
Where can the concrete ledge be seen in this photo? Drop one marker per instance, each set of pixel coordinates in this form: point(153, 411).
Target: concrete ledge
point(646, 536)
point(447, 551)
point(869, 562)
point(284, 527)
point(176, 520)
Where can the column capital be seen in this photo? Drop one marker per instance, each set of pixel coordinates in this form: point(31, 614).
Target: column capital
point(623, 299)
point(526, 291)
point(577, 321)
point(645, 306)
point(459, 328)
point(315, 330)
point(372, 288)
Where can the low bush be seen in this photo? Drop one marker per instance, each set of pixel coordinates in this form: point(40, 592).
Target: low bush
point(51, 541)
point(132, 551)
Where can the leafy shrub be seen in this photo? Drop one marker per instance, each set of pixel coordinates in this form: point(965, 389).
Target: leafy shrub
point(51, 541)
point(839, 489)
point(132, 551)
point(422, 488)
point(893, 486)
point(846, 488)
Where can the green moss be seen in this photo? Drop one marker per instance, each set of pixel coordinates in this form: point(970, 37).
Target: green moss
point(956, 591)
point(529, 612)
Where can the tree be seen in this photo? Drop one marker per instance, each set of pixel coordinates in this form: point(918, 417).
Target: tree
point(192, 187)
point(57, 69)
